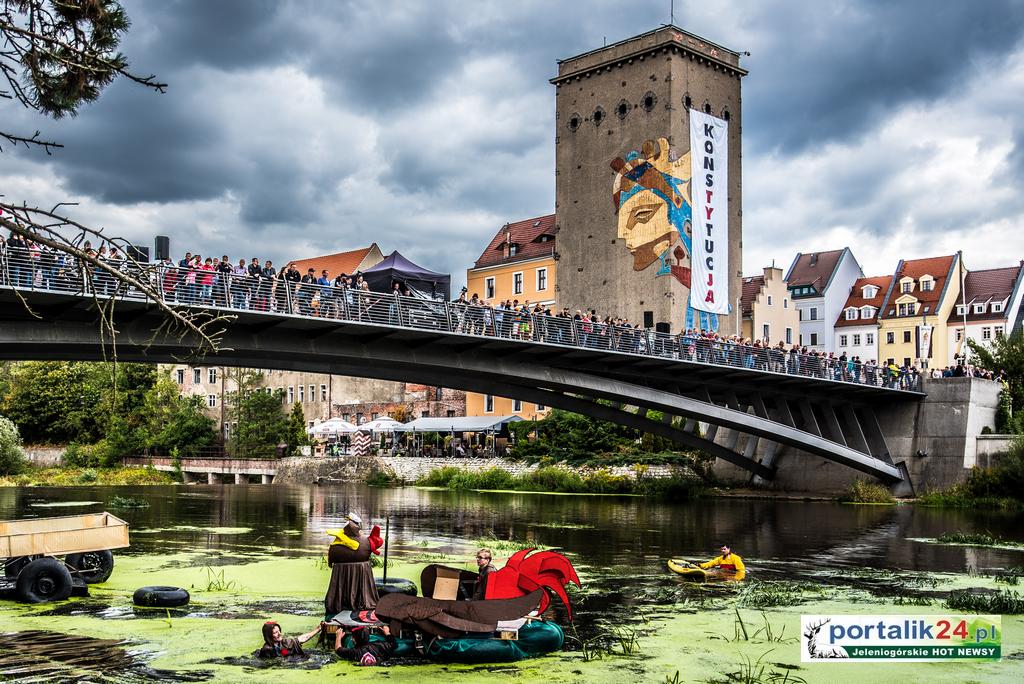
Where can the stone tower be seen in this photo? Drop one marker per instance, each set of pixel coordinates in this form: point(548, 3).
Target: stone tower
point(617, 107)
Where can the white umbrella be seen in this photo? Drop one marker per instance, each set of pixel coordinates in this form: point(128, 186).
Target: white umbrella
point(334, 426)
point(382, 424)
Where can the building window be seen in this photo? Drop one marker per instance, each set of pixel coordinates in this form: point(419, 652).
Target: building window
point(211, 400)
point(302, 394)
point(489, 288)
point(907, 287)
point(869, 338)
point(291, 395)
point(488, 403)
point(814, 314)
point(227, 430)
point(450, 413)
point(517, 405)
point(769, 300)
point(890, 338)
point(997, 307)
point(814, 339)
point(986, 333)
point(212, 375)
point(799, 314)
point(979, 308)
point(842, 340)
point(181, 376)
point(959, 335)
point(866, 312)
point(851, 314)
point(197, 376)
point(312, 393)
point(541, 407)
point(999, 331)
point(424, 414)
point(856, 340)
point(360, 418)
point(789, 336)
point(766, 332)
point(868, 292)
point(323, 393)
point(374, 416)
point(906, 336)
point(961, 309)
point(542, 279)
point(344, 416)
point(927, 285)
point(785, 302)
point(438, 393)
point(801, 340)
point(513, 248)
point(517, 283)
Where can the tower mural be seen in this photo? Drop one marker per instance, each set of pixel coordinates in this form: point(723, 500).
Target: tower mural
point(651, 199)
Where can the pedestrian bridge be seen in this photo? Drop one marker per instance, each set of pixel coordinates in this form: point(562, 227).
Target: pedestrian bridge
point(744, 405)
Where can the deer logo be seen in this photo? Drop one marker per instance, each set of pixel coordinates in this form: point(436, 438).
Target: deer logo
point(814, 649)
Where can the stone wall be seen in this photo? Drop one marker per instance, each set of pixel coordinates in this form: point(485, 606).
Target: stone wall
point(990, 448)
point(44, 455)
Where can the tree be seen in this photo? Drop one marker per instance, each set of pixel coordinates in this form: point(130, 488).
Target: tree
point(1005, 353)
point(12, 459)
point(297, 435)
point(173, 423)
point(260, 421)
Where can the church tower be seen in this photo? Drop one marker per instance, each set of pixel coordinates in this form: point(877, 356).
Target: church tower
point(622, 176)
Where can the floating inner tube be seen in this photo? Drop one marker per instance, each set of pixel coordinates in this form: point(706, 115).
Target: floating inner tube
point(687, 569)
point(395, 585)
point(160, 597)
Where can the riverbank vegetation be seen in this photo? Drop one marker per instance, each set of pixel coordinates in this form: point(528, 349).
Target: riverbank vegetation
point(73, 477)
point(1000, 486)
point(862, 491)
point(12, 458)
point(561, 480)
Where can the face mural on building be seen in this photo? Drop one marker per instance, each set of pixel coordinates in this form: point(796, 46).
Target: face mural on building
point(651, 195)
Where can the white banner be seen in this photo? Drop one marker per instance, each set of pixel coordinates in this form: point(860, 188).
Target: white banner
point(924, 341)
point(709, 193)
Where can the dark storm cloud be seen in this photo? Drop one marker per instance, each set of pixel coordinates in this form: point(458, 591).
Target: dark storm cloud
point(824, 72)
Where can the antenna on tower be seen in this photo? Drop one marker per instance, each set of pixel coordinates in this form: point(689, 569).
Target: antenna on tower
point(672, 12)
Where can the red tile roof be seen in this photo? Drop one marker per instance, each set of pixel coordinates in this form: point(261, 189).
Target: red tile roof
point(751, 288)
point(937, 267)
point(814, 268)
point(856, 299)
point(984, 287)
point(527, 234)
point(342, 262)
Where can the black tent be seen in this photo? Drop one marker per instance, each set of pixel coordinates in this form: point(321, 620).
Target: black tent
point(397, 269)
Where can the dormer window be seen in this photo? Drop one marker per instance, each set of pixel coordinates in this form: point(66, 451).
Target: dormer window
point(851, 314)
point(907, 309)
point(927, 284)
point(907, 286)
point(869, 291)
point(867, 312)
point(979, 308)
point(513, 249)
point(961, 309)
point(997, 307)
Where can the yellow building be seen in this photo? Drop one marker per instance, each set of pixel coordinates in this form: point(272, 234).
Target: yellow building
point(768, 314)
point(518, 265)
point(912, 321)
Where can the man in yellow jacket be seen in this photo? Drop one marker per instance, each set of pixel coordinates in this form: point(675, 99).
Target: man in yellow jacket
point(727, 561)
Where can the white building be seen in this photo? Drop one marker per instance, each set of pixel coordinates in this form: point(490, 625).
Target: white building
point(856, 329)
point(819, 285)
point(992, 305)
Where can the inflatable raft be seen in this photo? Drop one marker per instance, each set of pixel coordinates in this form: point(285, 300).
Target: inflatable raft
point(687, 569)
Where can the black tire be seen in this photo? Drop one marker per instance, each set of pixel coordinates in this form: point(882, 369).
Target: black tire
point(160, 597)
point(395, 585)
point(44, 579)
point(92, 566)
point(16, 565)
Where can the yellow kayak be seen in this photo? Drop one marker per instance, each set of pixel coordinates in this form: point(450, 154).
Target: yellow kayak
point(687, 569)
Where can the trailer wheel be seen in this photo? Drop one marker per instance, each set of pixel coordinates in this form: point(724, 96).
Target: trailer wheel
point(44, 579)
point(92, 566)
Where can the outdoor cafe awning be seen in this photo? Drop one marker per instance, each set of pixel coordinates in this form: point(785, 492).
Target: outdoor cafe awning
point(458, 424)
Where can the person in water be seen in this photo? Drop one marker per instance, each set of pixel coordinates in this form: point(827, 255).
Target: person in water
point(364, 651)
point(727, 561)
point(485, 568)
point(277, 645)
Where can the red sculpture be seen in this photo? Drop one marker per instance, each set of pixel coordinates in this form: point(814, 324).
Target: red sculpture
point(522, 575)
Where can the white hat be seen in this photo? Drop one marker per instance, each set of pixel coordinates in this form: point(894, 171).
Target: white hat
point(355, 518)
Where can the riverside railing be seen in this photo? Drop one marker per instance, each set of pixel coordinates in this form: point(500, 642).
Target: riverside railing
point(58, 272)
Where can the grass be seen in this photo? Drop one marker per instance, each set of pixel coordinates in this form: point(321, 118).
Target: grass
point(970, 539)
point(758, 672)
point(563, 480)
point(768, 595)
point(862, 491)
point(70, 477)
point(127, 502)
point(215, 580)
point(383, 478)
point(1005, 602)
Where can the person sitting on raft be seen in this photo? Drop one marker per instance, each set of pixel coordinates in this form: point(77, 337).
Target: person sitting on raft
point(364, 651)
point(277, 645)
point(485, 568)
point(727, 561)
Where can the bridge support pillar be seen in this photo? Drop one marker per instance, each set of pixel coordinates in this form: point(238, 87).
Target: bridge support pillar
point(241, 479)
point(188, 478)
point(211, 478)
point(266, 479)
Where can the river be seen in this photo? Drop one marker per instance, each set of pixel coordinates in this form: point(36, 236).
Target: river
point(258, 539)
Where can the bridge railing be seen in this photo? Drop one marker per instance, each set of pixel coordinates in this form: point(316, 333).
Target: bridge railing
point(58, 272)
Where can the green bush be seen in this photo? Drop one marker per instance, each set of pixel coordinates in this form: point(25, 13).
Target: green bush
point(12, 458)
point(439, 478)
point(867, 492)
point(80, 456)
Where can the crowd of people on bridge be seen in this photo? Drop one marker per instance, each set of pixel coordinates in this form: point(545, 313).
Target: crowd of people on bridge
point(258, 285)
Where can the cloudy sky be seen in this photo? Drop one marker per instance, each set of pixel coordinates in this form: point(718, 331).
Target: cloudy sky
point(297, 128)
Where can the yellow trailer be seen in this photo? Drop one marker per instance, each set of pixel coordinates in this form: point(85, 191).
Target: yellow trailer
point(29, 551)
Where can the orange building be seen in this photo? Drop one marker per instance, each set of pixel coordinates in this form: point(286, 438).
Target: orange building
point(519, 263)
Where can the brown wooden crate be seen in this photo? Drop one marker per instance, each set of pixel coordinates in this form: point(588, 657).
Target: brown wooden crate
point(59, 536)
